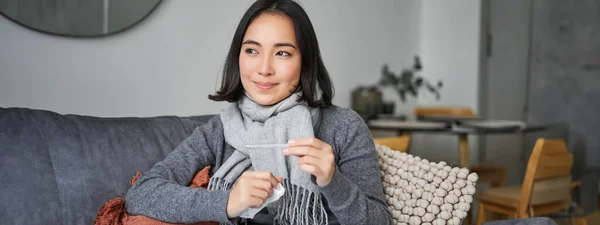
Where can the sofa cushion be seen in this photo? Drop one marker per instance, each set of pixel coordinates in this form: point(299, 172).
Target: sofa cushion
point(87, 160)
point(524, 221)
point(28, 190)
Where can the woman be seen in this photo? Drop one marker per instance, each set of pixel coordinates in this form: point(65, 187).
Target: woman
point(281, 93)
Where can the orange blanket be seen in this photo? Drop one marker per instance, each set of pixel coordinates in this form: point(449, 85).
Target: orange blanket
point(113, 212)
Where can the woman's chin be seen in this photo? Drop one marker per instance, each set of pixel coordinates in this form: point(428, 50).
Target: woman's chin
point(270, 97)
point(264, 100)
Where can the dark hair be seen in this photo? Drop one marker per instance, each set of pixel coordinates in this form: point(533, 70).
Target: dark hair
point(313, 70)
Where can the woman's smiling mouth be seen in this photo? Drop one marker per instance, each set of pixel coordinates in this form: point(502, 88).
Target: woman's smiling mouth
point(264, 85)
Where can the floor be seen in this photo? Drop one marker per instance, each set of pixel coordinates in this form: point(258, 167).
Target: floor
point(592, 219)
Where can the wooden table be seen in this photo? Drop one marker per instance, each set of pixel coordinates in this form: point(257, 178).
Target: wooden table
point(449, 128)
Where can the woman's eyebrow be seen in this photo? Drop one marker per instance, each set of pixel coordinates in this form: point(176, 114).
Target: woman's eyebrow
point(253, 42)
point(285, 44)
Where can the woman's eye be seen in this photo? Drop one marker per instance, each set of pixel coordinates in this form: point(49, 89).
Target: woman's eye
point(282, 53)
point(251, 51)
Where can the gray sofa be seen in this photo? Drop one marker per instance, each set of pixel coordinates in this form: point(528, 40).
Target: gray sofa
point(60, 169)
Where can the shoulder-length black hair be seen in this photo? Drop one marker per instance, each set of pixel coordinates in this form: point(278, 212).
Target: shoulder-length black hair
point(313, 70)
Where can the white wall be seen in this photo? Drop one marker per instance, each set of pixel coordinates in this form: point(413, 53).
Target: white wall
point(449, 47)
point(449, 40)
point(357, 37)
point(168, 64)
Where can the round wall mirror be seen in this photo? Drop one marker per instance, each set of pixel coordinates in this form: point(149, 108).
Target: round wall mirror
point(78, 18)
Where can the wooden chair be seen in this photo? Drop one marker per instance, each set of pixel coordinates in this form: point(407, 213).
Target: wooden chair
point(546, 187)
point(495, 175)
point(444, 111)
point(400, 143)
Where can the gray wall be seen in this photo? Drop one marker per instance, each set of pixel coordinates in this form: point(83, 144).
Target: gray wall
point(565, 79)
point(565, 71)
point(171, 62)
point(504, 89)
point(544, 69)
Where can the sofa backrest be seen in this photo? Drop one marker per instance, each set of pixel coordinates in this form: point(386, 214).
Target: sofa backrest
point(60, 169)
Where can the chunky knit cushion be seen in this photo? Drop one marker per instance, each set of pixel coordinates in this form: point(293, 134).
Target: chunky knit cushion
point(422, 192)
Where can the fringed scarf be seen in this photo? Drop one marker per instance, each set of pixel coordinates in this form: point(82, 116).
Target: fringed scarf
point(247, 122)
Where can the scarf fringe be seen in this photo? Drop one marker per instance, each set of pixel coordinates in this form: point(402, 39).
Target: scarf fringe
point(298, 206)
point(218, 184)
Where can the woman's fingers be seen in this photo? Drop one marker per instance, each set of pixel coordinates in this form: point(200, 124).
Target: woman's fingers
point(309, 160)
point(263, 188)
point(312, 165)
point(302, 151)
point(315, 157)
point(250, 191)
point(309, 169)
point(264, 175)
point(261, 193)
point(312, 142)
point(255, 202)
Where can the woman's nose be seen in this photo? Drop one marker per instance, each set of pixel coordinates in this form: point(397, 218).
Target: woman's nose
point(266, 68)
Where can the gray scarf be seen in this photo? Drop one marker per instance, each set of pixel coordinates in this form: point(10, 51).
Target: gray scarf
point(247, 122)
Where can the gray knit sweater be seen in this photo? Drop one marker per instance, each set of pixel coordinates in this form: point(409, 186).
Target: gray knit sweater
point(354, 195)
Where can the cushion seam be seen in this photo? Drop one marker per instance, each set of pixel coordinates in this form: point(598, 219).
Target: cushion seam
point(62, 213)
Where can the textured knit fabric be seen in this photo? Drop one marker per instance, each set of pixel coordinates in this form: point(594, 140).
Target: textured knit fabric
point(60, 169)
point(249, 123)
point(354, 195)
point(113, 212)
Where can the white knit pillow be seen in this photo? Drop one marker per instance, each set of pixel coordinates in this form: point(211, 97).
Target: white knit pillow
point(422, 192)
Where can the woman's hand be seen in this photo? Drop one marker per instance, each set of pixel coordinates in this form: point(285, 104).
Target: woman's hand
point(315, 157)
point(250, 191)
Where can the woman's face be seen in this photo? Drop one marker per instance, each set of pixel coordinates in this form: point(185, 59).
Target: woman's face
point(270, 61)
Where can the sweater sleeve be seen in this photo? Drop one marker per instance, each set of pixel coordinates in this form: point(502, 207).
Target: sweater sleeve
point(162, 193)
point(355, 193)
